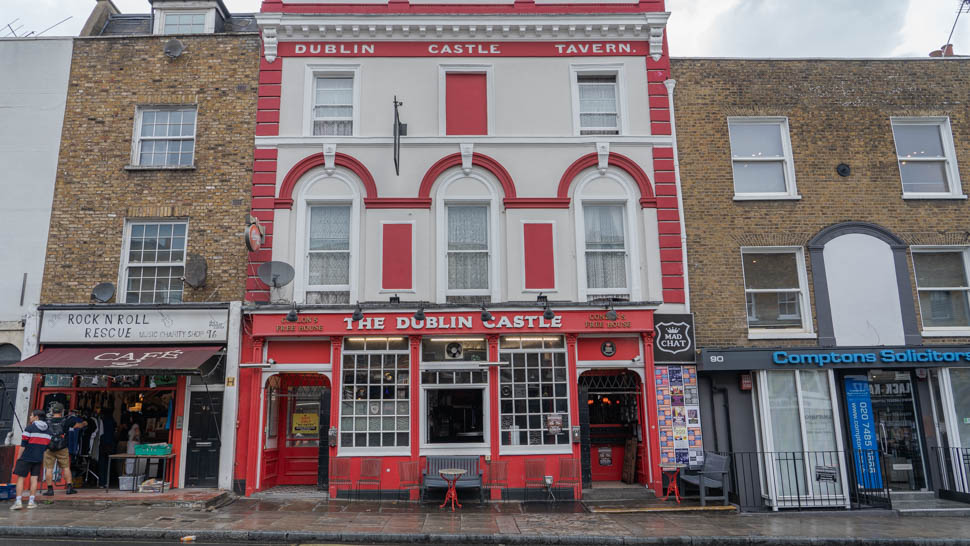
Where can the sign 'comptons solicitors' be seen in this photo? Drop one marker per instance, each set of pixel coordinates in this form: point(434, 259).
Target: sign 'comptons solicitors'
point(135, 326)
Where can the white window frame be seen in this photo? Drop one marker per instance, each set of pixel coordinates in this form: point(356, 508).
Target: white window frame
point(471, 448)
point(302, 262)
point(442, 202)
point(136, 139)
point(941, 331)
point(949, 159)
point(443, 71)
point(791, 190)
point(126, 248)
point(807, 330)
point(631, 236)
point(765, 439)
point(376, 451)
point(161, 14)
point(602, 69)
point(314, 71)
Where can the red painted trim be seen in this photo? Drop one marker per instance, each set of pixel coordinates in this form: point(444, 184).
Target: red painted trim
point(537, 203)
point(265, 153)
point(519, 7)
point(285, 199)
point(466, 104)
point(398, 203)
point(647, 198)
point(478, 160)
point(539, 256)
point(396, 257)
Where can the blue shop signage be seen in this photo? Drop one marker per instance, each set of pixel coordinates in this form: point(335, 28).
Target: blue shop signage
point(862, 428)
point(854, 357)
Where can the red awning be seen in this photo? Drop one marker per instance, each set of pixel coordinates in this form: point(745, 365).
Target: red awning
point(189, 359)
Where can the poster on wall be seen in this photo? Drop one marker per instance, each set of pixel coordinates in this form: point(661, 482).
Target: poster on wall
point(678, 415)
point(862, 429)
point(307, 424)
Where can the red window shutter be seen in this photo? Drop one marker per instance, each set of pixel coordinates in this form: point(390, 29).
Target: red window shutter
point(466, 104)
point(396, 259)
point(539, 256)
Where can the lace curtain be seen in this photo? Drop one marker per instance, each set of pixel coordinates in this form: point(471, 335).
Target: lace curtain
point(468, 247)
point(597, 102)
point(329, 245)
point(605, 246)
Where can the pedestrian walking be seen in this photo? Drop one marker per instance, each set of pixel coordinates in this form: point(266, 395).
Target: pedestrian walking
point(36, 438)
point(57, 451)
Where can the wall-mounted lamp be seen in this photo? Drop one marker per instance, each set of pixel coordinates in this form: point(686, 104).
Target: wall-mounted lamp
point(358, 314)
point(548, 314)
point(610, 313)
point(486, 316)
point(419, 314)
point(292, 316)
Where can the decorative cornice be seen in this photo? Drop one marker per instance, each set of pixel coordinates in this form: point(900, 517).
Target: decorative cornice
point(269, 43)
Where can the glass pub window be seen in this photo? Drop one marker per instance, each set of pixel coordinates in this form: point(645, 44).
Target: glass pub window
point(532, 385)
point(598, 108)
point(941, 280)
point(772, 290)
point(333, 106)
point(184, 23)
point(166, 136)
point(375, 396)
point(155, 262)
point(922, 156)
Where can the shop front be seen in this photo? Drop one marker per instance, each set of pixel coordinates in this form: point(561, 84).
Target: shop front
point(142, 380)
point(332, 396)
point(845, 426)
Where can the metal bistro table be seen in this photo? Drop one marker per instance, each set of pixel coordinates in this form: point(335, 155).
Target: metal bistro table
point(125, 456)
point(672, 472)
point(451, 475)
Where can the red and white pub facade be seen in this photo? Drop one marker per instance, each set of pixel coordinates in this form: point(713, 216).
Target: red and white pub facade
point(494, 296)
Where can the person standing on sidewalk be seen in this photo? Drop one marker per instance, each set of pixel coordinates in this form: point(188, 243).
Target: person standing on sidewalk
point(35, 440)
point(57, 449)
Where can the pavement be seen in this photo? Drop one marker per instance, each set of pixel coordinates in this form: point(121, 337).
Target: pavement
point(315, 521)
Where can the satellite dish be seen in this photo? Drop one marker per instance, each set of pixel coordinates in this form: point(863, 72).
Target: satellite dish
point(174, 48)
point(276, 274)
point(196, 270)
point(103, 292)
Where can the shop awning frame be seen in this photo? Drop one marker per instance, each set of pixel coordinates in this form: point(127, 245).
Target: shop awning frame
point(113, 361)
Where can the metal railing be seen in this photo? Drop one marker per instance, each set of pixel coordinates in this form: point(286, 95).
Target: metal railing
point(953, 464)
point(807, 480)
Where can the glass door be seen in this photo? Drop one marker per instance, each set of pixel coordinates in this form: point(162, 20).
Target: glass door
point(897, 428)
point(953, 426)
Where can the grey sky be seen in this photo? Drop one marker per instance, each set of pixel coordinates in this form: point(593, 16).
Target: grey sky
point(736, 28)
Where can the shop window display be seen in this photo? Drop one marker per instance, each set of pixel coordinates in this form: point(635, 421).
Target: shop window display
point(375, 399)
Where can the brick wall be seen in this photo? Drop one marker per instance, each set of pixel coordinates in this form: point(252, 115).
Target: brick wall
point(95, 193)
point(838, 112)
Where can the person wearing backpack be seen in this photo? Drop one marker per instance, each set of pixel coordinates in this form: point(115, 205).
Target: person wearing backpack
point(57, 451)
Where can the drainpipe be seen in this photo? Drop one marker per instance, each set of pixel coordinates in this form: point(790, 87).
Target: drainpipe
point(669, 84)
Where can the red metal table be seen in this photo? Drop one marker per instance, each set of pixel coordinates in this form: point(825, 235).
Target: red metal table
point(451, 475)
point(672, 472)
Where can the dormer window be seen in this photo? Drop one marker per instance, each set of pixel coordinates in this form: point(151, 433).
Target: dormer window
point(184, 23)
point(182, 17)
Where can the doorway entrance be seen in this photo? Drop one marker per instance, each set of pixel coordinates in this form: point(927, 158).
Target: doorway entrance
point(296, 422)
point(895, 419)
point(202, 451)
point(610, 414)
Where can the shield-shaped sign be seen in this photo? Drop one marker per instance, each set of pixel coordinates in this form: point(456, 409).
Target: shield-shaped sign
point(673, 339)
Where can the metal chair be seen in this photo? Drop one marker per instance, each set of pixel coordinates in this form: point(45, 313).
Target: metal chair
point(569, 474)
point(370, 474)
point(410, 474)
point(535, 475)
point(340, 474)
point(498, 474)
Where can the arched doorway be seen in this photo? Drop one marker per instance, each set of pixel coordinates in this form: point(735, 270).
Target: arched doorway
point(296, 420)
point(611, 416)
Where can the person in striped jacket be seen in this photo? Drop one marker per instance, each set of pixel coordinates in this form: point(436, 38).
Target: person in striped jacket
point(35, 440)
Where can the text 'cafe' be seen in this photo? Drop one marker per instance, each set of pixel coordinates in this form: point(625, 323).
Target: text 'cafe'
point(323, 393)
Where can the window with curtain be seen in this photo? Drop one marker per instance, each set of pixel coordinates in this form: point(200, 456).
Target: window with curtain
point(468, 248)
point(328, 248)
point(333, 106)
point(944, 292)
point(606, 268)
point(598, 104)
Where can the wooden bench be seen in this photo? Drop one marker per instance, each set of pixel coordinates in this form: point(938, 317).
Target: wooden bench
point(472, 479)
point(712, 475)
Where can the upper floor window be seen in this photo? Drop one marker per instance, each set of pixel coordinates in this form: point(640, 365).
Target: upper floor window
point(599, 111)
point(165, 136)
point(468, 249)
point(762, 158)
point(184, 23)
point(776, 291)
point(943, 286)
point(328, 253)
point(333, 105)
point(153, 262)
point(606, 249)
point(465, 99)
point(927, 159)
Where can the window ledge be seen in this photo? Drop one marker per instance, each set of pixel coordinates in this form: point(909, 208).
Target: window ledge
point(373, 452)
point(754, 334)
point(159, 167)
point(766, 197)
point(455, 450)
point(917, 196)
point(560, 449)
point(946, 332)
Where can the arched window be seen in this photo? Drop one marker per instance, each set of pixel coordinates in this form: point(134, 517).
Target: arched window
point(9, 354)
point(468, 231)
point(328, 235)
point(607, 244)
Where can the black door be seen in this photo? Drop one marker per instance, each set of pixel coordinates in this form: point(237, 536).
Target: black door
point(323, 471)
point(584, 456)
point(202, 452)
